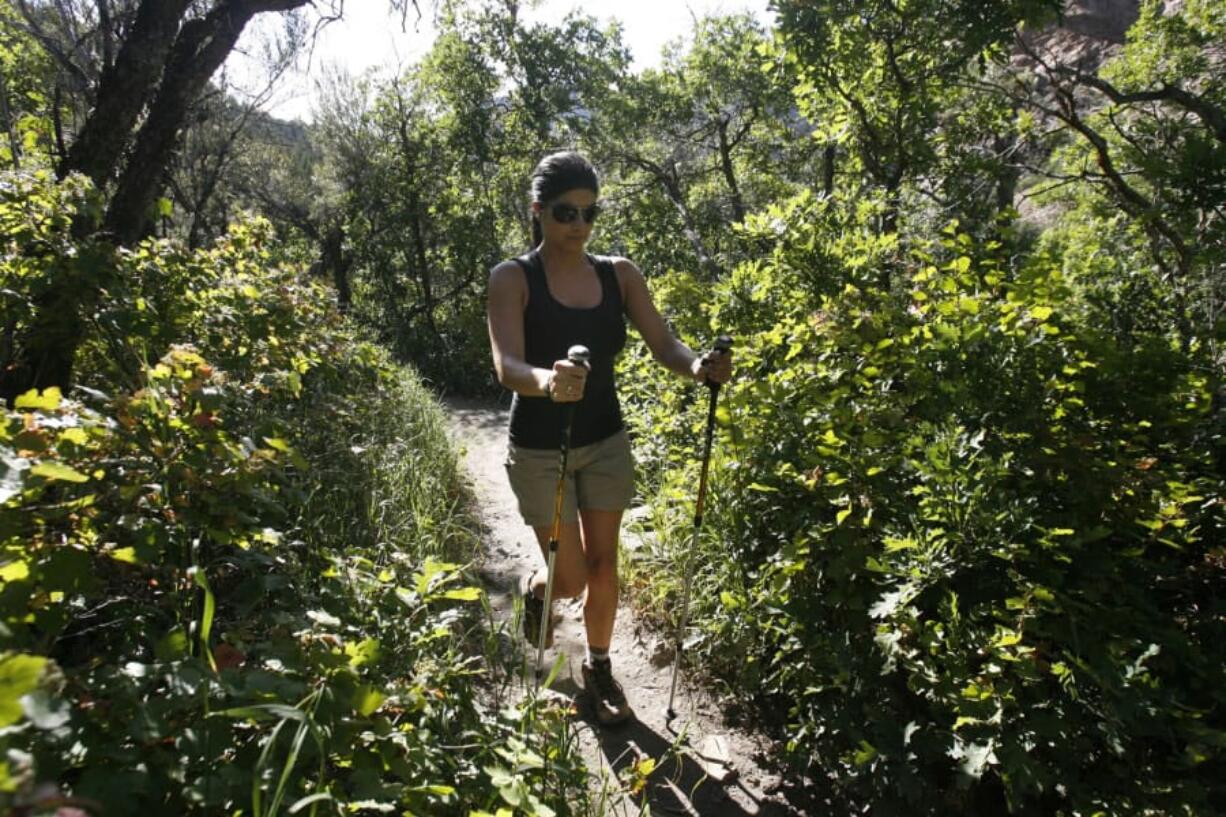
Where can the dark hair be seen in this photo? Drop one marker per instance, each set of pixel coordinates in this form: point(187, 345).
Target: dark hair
point(556, 174)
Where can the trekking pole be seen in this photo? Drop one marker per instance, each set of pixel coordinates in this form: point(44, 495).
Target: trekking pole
point(722, 345)
point(578, 355)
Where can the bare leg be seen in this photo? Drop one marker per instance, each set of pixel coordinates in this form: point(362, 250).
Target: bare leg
point(570, 568)
point(600, 532)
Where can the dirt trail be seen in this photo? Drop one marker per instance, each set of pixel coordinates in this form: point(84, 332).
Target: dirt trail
point(679, 785)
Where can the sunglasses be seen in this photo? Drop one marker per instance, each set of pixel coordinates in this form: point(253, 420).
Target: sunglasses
point(566, 213)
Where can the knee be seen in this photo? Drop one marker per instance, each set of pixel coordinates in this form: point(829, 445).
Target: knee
point(601, 568)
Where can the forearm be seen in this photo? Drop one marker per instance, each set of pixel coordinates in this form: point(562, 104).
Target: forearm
point(522, 378)
point(677, 357)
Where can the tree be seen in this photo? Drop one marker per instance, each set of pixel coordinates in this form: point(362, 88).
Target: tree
point(876, 76)
point(156, 58)
point(709, 134)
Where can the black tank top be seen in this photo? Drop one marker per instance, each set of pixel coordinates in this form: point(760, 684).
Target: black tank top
point(550, 328)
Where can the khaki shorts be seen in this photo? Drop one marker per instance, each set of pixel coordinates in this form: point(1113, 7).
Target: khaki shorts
point(599, 477)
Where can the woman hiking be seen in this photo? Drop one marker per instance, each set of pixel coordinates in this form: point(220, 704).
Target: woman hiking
point(541, 304)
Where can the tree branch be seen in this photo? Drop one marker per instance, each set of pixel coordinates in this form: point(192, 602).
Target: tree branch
point(1213, 117)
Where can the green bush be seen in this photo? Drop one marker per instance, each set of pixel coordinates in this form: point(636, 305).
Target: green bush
point(230, 562)
point(967, 545)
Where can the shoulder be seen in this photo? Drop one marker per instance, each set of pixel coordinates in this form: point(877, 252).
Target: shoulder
point(507, 278)
point(625, 268)
point(506, 272)
point(629, 276)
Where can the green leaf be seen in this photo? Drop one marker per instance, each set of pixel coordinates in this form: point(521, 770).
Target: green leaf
point(19, 676)
point(366, 699)
point(76, 436)
point(431, 570)
point(48, 400)
point(463, 594)
point(171, 646)
point(127, 555)
point(277, 444)
point(57, 470)
point(364, 652)
point(14, 571)
point(865, 754)
point(261, 712)
point(206, 616)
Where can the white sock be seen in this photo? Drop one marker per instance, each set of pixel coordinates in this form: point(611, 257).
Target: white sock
point(597, 654)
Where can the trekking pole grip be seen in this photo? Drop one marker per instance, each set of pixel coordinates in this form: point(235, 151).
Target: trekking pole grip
point(579, 354)
point(723, 345)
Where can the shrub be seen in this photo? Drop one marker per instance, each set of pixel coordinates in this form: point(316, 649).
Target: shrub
point(965, 546)
point(230, 564)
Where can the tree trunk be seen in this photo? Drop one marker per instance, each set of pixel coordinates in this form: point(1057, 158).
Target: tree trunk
point(423, 265)
point(672, 188)
point(201, 47)
point(725, 161)
point(829, 154)
point(6, 120)
point(183, 59)
point(44, 353)
point(1008, 176)
point(335, 263)
point(124, 90)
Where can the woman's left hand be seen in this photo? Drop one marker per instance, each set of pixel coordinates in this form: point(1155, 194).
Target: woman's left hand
point(713, 367)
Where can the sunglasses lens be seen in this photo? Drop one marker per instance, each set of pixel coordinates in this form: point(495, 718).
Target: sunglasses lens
point(566, 213)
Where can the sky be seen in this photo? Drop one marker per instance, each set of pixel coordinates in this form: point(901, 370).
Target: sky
point(370, 37)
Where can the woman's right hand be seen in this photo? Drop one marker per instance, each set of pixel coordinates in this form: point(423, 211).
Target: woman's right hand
point(566, 381)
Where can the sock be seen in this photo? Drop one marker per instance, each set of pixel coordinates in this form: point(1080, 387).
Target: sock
point(595, 654)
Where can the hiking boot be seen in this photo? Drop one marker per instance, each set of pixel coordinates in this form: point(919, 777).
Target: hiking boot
point(534, 612)
point(608, 699)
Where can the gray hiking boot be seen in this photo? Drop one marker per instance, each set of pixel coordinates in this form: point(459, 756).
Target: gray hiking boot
point(608, 699)
point(534, 612)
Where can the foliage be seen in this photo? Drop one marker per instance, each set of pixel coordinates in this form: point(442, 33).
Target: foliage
point(692, 146)
point(882, 82)
point(976, 540)
point(970, 476)
point(25, 84)
point(230, 580)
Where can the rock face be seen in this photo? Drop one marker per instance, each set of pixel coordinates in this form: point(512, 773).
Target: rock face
point(1101, 19)
point(1087, 33)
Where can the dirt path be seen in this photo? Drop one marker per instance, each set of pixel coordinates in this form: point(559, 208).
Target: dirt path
point(679, 784)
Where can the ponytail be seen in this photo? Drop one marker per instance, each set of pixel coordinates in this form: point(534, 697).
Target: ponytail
point(538, 235)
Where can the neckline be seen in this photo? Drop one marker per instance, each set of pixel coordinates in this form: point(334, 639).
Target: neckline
point(540, 263)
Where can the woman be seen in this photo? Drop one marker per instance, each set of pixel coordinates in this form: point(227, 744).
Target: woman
point(539, 305)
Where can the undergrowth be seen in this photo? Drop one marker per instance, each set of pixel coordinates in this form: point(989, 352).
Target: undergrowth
point(232, 562)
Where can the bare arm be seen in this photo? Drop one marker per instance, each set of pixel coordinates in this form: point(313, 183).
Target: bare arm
point(508, 295)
